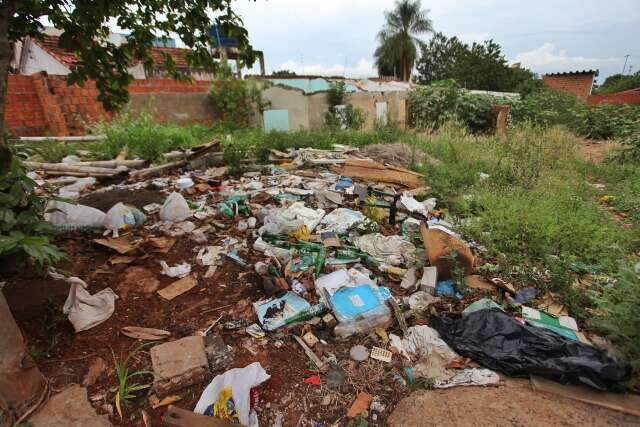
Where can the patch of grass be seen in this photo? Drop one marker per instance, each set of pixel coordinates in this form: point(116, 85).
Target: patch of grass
point(50, 151)
point(146, 138)
point(126, 390)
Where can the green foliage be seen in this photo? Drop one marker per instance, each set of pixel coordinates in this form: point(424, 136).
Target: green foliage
point(50, 151)
point(342, 114)
point(602, 121)
point(477, 66)
point(617, 314)
point(145, 138)
point(283, 73)
point(619, 83)
point(85, 31)
point(237, 100)
point(125, 389)
point(440, 102)
point(23, 232)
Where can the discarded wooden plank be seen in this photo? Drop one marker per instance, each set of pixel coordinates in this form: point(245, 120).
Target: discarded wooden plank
point(84, 138)
point(322, 366)
point(178, 417)
point(149, 334)
point(111, 164)
point(369, 170)
point(178, 287)
point(66, 167)
point(157, 170)
point(627, 403)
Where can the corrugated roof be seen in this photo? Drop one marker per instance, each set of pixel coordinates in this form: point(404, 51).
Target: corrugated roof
point(574, 73)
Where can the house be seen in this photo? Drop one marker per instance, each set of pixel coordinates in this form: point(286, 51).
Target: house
point(300, 102)
point(33, 55)
point(579, 83)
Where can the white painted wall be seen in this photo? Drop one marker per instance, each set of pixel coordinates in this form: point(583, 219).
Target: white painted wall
point(38, 60)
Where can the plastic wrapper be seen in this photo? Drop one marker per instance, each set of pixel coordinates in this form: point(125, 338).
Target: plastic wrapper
point(497, 341)
point(175, 208)
point(69, 217)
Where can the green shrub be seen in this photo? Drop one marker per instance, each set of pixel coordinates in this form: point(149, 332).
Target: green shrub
point(433, 105)
point(544, 107)
point(50, 151)
point(23, 231)
point(145, 138)
point(605, 121)
point(617, 315)
point(342, 114)
point(237, 100)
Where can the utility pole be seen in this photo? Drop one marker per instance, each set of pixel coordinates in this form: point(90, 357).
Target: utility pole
point(626, 58)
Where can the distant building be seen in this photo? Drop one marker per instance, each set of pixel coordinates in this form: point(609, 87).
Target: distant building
point(579, 83)
point(32, 55)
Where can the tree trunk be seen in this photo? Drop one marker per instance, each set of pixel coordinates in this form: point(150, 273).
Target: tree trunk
point(21, 382)
point(7, 9)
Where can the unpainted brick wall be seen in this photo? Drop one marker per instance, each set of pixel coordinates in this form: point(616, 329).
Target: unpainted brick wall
point(24, 114)
point(43, 104)
point(578, 84)
point(626, 97)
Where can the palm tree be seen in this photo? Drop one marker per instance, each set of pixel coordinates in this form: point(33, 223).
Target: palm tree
point(398, 49)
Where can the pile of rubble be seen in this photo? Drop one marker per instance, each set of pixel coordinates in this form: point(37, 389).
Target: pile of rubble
point(354, 268)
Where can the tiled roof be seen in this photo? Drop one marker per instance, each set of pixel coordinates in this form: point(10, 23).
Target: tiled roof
point(68, 59)
point(50, 44)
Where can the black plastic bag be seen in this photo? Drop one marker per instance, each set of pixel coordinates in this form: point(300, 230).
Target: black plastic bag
point(497, 341)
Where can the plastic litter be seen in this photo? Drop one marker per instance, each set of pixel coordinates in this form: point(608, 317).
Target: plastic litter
point(525, 295)
point(447, 288)
point(340, 220)
point(122, 217)
point(72, 191)
point(184, 183)
point(344, 182)
point(228, 397)
point(175, 208)
point(178, 270)
point(360, 309)
point(497, 341)
point(563, 325)
point(468, 377)
point(412, 205)
point(359, 353)
point(421, 300)
point(421, 341)
point(284, 221)
point(392, 250)
point(209, 255)
point(83, 309)
point(481, 304)
point(409, 280)
point(69, 217)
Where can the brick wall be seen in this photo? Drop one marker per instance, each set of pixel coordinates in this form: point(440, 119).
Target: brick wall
point(627, 97)
point(24, 114)
point(578, 84)
point(43, 104)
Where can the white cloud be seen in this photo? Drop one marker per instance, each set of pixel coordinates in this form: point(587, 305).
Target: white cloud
point(470, 38)
point(548, 58)
point(364, 68)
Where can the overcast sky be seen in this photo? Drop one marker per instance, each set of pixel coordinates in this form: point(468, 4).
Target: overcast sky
point(338, 37)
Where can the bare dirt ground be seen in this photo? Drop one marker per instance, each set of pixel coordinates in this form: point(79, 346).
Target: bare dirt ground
point(597, 151)
point(514, 403)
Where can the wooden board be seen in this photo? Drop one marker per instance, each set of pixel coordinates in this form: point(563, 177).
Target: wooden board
point(375, 172)
point(627, 403)
point(178, 287)
point(438, 244)
point(178, 417)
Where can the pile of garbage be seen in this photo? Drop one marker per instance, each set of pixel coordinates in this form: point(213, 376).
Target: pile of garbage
point(343, 246)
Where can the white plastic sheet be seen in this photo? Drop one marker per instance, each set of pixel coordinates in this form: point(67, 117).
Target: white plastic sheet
point(83, 309)
point(283, 221)
point(468, 377)
point(340, 220)
point(66, 216)
point(422, 341)
point(175, 208)
point(241, 381)
point(392, 250)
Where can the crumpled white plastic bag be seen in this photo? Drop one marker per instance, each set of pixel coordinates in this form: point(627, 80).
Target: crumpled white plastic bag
point(467, 377)
point(121, 217)
point(392, 250)
point(67, 216)
point(175, 208)
point(83, 309)
point(421, 341)
point(283, 221)
point(340, 220)
point(241, 381)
